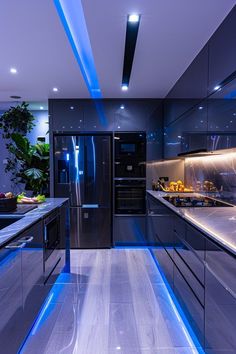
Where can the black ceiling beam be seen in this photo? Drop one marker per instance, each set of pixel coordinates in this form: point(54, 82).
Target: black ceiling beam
point(130, 44)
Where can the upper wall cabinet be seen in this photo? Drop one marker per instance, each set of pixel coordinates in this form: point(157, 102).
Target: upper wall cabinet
point(97, 117)
point(135, 115)
point(66, 115)
point(222, 118)
point(222, 51)
point(155, 134)
point(187, 133)
point(191, 87)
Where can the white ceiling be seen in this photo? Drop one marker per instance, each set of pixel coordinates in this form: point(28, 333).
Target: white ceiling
point(171, 34)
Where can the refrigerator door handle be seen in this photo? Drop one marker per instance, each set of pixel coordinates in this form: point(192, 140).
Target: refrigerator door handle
point(92, 206)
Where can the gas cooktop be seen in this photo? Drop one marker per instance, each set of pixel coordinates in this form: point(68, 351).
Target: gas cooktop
point(201, 201)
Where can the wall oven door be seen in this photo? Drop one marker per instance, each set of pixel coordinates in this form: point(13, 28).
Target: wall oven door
point(130, 197)
point(51, 243)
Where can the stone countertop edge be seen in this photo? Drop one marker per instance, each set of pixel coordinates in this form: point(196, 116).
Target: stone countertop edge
point(218, 223)
point(10, 232)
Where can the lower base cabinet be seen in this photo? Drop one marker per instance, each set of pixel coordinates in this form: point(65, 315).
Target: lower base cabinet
point(129, 230)
point(11, 309)
point(23, 287)
point(203, 277)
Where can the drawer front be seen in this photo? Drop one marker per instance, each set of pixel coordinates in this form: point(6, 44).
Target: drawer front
point(189, 276)
point(222, 264)
point(196, 241)
point(220, 316)
point(191, 305)
point(179, 226)
point(189, 256)
point(166, 263)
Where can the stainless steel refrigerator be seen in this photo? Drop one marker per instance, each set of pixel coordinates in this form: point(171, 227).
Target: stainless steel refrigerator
point(82, 172)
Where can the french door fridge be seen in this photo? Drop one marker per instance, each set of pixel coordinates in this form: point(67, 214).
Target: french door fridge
point(83, 173)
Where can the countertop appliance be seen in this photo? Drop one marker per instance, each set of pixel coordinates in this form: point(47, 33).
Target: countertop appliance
point(195, 201)
point(85, 177)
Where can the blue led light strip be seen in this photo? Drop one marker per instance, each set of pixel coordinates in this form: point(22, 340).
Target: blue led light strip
point(72, 17)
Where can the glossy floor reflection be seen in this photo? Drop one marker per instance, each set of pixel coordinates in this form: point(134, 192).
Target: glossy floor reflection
point(113, 301)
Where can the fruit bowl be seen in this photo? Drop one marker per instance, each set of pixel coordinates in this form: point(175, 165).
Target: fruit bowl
point(8, 204)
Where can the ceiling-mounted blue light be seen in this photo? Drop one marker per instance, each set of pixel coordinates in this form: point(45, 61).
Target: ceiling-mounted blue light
point(72, 17)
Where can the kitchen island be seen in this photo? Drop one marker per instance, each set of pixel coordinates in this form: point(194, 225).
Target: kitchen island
point(196, 249)
point(32, 255)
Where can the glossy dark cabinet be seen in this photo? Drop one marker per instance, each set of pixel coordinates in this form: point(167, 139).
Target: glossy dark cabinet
point(32, 273)
point(129, 230)
point(11, 308)
point(220, 307)
point(222, 51)
point(196, 115)
point(202, 276)
point(22, 283)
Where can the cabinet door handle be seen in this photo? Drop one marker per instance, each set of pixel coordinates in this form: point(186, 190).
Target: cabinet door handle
point(222, 283)
point(27, 239)
point(16, 245)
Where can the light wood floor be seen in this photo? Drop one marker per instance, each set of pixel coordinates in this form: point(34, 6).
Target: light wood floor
point(113, 301)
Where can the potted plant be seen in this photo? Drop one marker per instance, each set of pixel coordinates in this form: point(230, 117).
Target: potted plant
point(33, 163)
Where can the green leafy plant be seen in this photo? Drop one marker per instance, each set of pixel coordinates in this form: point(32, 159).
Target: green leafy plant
point(33, 163)
point(16, 120)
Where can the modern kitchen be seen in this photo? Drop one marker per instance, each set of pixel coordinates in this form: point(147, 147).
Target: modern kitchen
point(118, 177)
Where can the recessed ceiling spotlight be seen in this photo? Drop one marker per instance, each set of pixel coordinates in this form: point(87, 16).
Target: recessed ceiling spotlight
point(200, 107)
point(234, 114)
point(122, 107)
point(124, 87)
point(41, 107)
point(13, 71)
point(134, 18)
point(15, 97)
point(217, 87)
point(71, 107)
point(55, 89)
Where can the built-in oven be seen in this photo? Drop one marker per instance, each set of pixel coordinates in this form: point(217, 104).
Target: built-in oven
point(130, 197)
point(51, 242)
point(130, 155)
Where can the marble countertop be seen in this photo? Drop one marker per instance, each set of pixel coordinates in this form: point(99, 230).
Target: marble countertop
point(218, 223)
point(28, 219)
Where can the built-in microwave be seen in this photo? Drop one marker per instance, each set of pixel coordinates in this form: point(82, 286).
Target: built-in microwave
point(130, 155)
point(130, 145)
